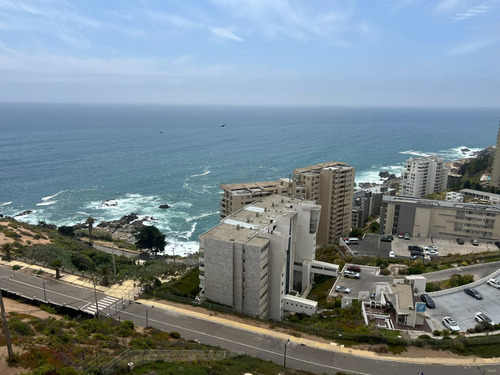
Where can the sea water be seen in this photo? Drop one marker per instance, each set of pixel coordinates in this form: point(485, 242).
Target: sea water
point(68, 162)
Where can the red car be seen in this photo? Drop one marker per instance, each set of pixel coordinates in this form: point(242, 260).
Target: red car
point(353, 268)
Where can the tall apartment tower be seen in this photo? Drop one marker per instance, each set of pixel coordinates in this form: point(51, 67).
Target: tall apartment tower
point(423, 176)
point(258, 256)
point(495, 173)
point(329, 184)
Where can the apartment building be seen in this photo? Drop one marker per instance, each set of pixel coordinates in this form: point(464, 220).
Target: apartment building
point(495, 172)
point(367, 202)
point(439, 219)
point(329, 184)
point(423, 176)
point(260, 259)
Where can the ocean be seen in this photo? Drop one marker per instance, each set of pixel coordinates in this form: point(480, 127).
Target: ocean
point(66, 162)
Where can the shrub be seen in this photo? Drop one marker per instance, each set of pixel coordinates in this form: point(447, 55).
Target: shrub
point(19, 327)
point(436, 332)
point(385, 272)
point(175, 335)
point(16, 267)
point(424, 337)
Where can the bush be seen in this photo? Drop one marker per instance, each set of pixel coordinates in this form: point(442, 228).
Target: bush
point(175, 335)
point(436, 332)
point(17, 326)
point(16, 267)
point(385, 272)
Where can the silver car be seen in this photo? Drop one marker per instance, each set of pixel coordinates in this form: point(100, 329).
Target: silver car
point(450, 323)
point(494, 283)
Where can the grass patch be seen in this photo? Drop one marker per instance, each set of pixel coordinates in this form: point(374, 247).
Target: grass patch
point(320, 290)
point(186, 286)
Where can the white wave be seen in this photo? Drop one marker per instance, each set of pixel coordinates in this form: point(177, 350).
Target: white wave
point(179, 248)
point(415, 153)
point(5, 204)
point(47, 203)
point(189, 219)
point(460, 152)
point(188, 234)
point(48, 198)
point(207, 171)
point(83, 213)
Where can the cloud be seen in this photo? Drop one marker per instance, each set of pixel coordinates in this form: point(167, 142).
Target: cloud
point(473, 12)
point(225, 33)
point(471, 47)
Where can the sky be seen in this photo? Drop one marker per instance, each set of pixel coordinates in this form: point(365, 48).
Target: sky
point(252, 52)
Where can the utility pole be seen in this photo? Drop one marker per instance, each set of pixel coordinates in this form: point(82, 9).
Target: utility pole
point(96, 304)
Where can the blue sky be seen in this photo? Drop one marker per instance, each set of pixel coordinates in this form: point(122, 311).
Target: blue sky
point(252, 52)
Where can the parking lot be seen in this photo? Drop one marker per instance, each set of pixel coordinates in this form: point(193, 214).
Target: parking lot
point(462, 307)
point(372, 246)
point(366, 283)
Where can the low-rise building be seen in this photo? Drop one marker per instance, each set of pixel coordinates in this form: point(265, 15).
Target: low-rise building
point(439, 219)
point(481, 196)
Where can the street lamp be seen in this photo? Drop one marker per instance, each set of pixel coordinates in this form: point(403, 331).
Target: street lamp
point(284, 355)
point(95, 294)
point(44, 291)
point(147, 315)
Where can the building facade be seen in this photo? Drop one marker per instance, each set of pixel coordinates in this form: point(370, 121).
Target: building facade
point(368, 202)
point(260, 254)
point(495, 172)
point(439, 219)
point(329, 184)
point(423, 176)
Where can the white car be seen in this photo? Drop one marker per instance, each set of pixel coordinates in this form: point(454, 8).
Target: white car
point(450, 323)
point(432, 247)
point(351, 275)
point(494, 283)
point(432, 252)
point(480, 317)
point(392, 254)
point(342, 289)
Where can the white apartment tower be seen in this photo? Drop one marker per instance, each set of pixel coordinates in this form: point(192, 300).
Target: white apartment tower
point(257, 257)
point(423, 176)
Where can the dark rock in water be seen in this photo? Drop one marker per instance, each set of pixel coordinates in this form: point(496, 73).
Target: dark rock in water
point(465, 149)
point(126, 227)
point(164, 206)
point(392, 176)
point(110, 202)
point(384, 174)
point(27, 212)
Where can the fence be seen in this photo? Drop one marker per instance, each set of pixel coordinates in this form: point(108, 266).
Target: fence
point(105, 364)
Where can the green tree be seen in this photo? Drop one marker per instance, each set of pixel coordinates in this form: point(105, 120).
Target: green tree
point(66, 230)
point(356, 232)
point(57, 264)
point(374, 227)
point(90, 222)
point(150, 237)
point(104, 271)
point(7, 248)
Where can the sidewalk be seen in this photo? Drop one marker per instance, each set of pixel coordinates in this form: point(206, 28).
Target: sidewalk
point(125, 290)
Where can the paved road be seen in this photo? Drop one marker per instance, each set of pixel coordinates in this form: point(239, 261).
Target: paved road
point(267, 345)
point(117, 252)
point(478, 270)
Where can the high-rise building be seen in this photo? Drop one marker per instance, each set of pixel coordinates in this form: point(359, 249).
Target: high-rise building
point(495, 173)
point(329, 184)
point(423, 176)
point(260, 258)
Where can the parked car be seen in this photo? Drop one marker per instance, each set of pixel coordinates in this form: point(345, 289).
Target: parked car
point(432, 252)
point(473, 293)
point(392, 254)
point(386, 238)
point(400, 235)
point(431, 248)
point(353, 267)
point(460, 241)
point(415, 248)
point(351, 275)
point(351, 240)
point(407, 236)
point(428, 301)
point(450, 323)
point(417, 256)
point(342, 289)
point(416, 252)
point(480, 317)
point(474, 242)
point(494, 283)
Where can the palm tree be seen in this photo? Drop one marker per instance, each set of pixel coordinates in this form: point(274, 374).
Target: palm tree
point(104, 271)
point(57, 264)
point(7, 248)
point(90, 222)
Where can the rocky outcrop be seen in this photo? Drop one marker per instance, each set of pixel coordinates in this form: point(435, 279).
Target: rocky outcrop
point(164, 206)
point(27, 212)
point(126, 227)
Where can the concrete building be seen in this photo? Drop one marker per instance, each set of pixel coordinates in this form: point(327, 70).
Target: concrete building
point(367, 202)
point(481, 196)
point(423, 176)
point(439, 219)
point(495, 172)
point(262, 256)
point(329, 184)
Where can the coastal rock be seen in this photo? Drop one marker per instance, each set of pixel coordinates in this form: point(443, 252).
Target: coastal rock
point(27, 212)
point(126, 227)
point(384, 174)
point(110, 202)
point(164, 206)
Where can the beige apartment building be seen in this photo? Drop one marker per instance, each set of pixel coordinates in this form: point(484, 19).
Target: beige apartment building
point(439, 219)
point(495, 173)
point(329, 184)
point(423, 176)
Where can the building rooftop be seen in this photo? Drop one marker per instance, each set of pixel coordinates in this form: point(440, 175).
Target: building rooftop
point(318, 167)
point(245, 225)
point(445, 204)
